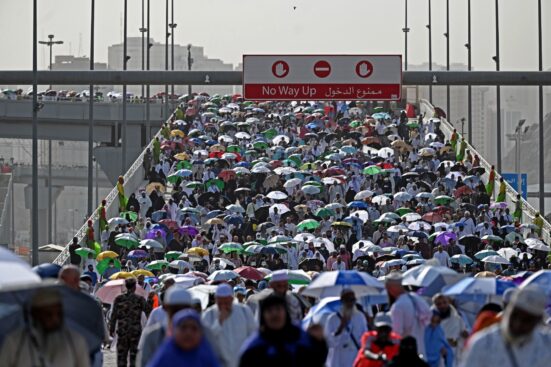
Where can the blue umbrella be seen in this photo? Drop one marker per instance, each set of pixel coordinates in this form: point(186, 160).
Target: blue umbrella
point(331, 283)
point(233, 219)
point(214, 213)
point(478, 289)
point(357, 205)
point(47, 270)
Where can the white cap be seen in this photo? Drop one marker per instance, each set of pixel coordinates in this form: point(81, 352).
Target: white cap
point(177, 295)
point(394, 277)
point(279, 276)
point(224, 290)
point(530, 299)
point(382, 319)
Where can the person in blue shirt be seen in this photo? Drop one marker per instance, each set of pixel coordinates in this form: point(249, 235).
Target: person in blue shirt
point(92, 274)
point(436, 345)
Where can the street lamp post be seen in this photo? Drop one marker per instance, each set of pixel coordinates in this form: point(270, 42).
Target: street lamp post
point(189, 63)
point(124, 64)
point(498, 92)
point(540, 123)
point(429, 27)
point(172, 26)
point(469, 67)
point(167, 34)
point(406, 31)
point(518, 137)
point(142, 31)
point(91, 115)
point(34, 206)
point(50, 43)
point(447, 35)
point(147, 87)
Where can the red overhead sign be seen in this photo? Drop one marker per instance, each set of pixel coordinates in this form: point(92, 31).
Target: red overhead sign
point(322, 77)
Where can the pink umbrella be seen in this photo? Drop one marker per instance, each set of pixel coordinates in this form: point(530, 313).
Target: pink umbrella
point(113, 288)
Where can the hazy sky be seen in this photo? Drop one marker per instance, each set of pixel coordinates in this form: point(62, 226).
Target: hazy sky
point(228, 29)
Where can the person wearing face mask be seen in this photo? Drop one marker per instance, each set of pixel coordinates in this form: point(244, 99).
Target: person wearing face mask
point(344, 330)
point(519, 339)
point(187, 346)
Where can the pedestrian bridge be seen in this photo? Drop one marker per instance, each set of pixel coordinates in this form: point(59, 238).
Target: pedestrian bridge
point(134, 179)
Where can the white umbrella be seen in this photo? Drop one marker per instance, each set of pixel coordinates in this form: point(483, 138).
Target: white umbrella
point(330, 181)
point(427, 275)
point(235, 208)
point(455, 175)
point(14, 272)
point(151, 244)
point(223, 275)
point(536, 244)
point(260, 168)
point(278, 139)
point(277, 195)
point(334, 206)
point(362, 214)
point(402, 196)
point(282, 171)
point(281, 208)
point(507, 252)
point(225, 138)
point(116, 221)
point(242, 135)
point(330, 246)
point(419, 226)
point(180, 264)
point(411, 217)
point(224, 262)
point(331, 283)
point(293, 182)
point(380, 199)
point(304, 237)
point(310, 189)
point(202, 293)
point(385, 152)
point(496, 259)
point(363, 194)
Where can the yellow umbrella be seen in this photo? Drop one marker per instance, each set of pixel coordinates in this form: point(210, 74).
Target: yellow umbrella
point(214, 221)
point(154, 185)
point(197, 251)
point(145, 273)
point(107, 255)
point(177, 132)
point(181, 156)
point(121, 275)
point(217, 148)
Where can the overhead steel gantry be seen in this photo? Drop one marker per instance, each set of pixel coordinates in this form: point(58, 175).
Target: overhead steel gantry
point(21, 77)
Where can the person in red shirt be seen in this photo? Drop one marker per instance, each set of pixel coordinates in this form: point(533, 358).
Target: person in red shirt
point(379, 345)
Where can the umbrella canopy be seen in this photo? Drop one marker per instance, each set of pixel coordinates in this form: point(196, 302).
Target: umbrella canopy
point(478, 289)
point(308, 224)
point(461, 259)
point(127, 240)
point(331, 283)
point(248, 272)
point(157, 265)
point(113, 288)
point(431, 278)
point(296, 277)
point(223, 275)
point(277, 195)
point(496, 259)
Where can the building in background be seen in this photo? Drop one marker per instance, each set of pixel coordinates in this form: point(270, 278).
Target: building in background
point(74, 63)
point(200, 62)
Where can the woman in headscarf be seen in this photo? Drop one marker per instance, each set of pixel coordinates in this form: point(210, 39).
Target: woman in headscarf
point(280, 343)
point(187, 346)
point(502, 191)
point(122, 198)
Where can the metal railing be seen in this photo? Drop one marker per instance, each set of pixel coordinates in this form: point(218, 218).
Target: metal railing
point(133, 178)
point(528, 211)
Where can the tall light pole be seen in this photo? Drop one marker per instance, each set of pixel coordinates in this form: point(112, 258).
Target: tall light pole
point(50, 43)
point(429, 27)
point(147, 87)
point(189, 63)
point(540, 124)
point(124, 62)
point(172, 26)
point(142, 31)
point(34, 206)
point(167, 34)
point(447, 35)
point(498, 92)
point(469, 67)
point(91, 116)
point(518, 137)
point(406, 31)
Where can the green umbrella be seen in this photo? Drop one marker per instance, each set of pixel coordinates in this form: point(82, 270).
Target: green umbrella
point(230, 247)
point(297, 277)
point(130, 214)
point(127, 241)
point(84, 252)
point(378, 109)
point(194, 184)
point(372, 170)
point(492, 238)
point(253, 243)
point(233, 149)
point(324, 213)
point(156, 265)
point(290, 163)
point(402, 211)
point(269, 134)
point(104, 264)
point(183, 165)
point(356, 123)
point(172, 255)
point(443, 200)
point(217, 182)
point(308, 224)
point(412, 125)
point(297, 158)
point(260, 145)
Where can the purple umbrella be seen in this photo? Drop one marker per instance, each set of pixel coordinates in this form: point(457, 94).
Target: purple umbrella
point(444, 238)
point(189, 230)
point(152, 234)
point(137, 254)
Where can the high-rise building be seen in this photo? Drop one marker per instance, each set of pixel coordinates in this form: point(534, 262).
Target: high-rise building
point(200, 62)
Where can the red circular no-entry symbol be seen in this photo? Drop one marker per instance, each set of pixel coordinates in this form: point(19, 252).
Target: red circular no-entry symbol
point(364, 69)
point(322, 69)
point(280, 69)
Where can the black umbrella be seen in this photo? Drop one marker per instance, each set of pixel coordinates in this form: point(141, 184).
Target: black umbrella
point(425, 185)
point(311, 265)
point(264, 226)
point(477, 170)
point(204, 198)
point(81, 312)
point(330, 137)
point(261, 214)
point(430, 176)
point(410, 175)
point(459, 168)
